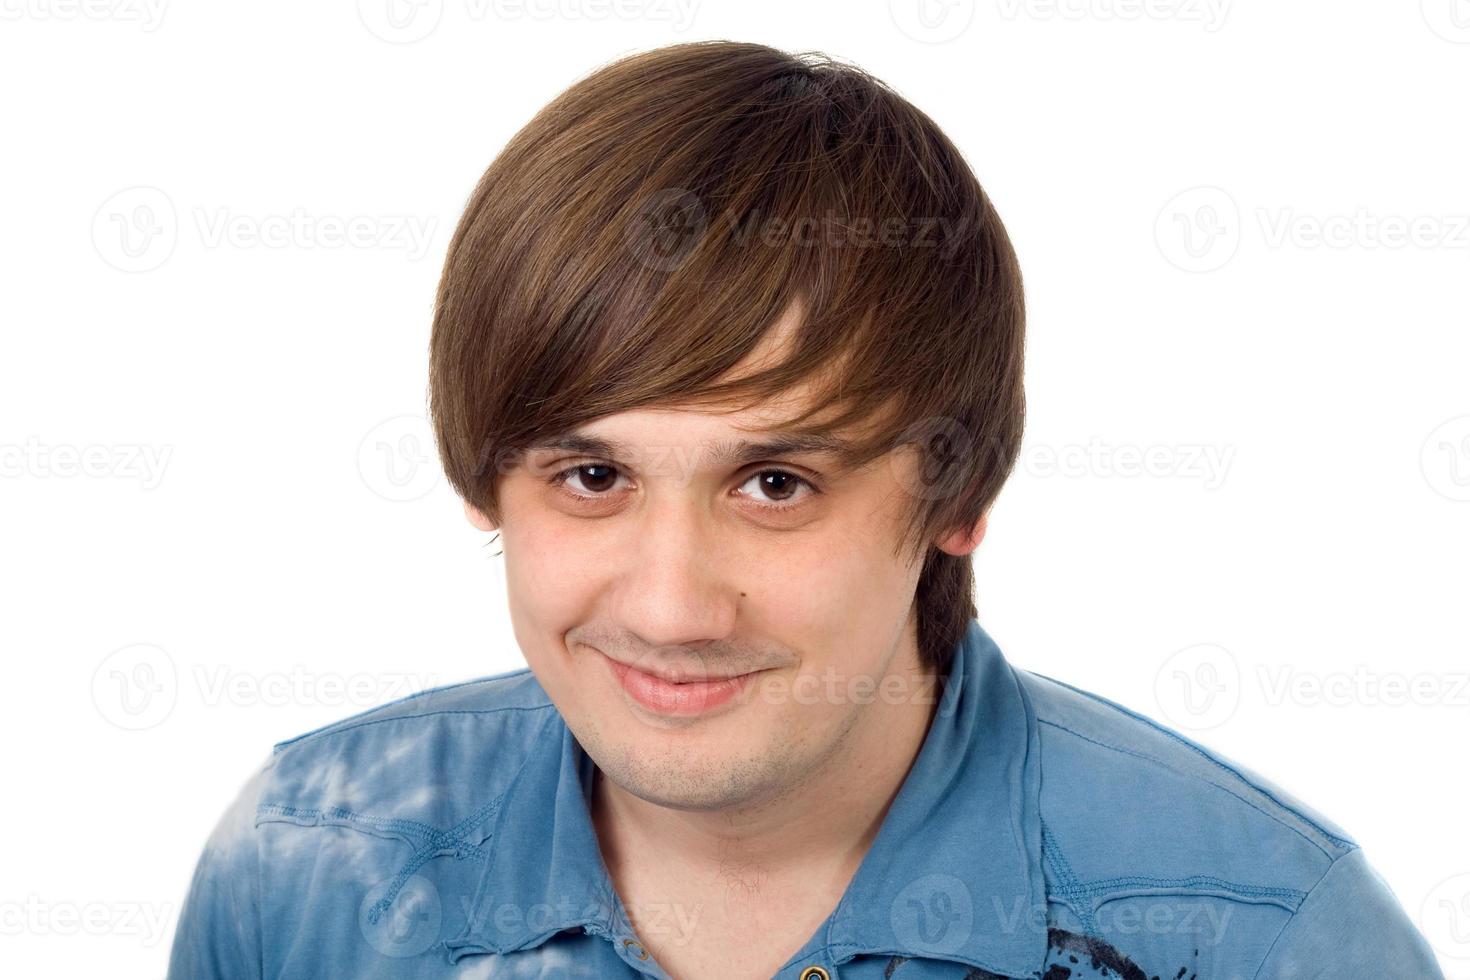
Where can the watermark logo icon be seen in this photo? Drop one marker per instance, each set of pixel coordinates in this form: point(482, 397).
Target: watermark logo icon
point(1198, 687)
point(409, 924)
point(942, 444)
point(1445, 458)
point(1198, 230)
point(396, 458)
point(136, 229)
point(136, 687)
point(934, 913)
point(1450, 19)
point(665, 228)
point(1445, 916)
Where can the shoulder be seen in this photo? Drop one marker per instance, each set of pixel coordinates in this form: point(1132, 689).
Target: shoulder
point(428, 757)
point(352, 809)
point(1127, 801)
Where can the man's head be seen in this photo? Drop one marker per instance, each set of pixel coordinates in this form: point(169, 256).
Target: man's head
point(703, 245)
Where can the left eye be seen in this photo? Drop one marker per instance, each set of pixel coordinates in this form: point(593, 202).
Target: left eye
point(782, 484)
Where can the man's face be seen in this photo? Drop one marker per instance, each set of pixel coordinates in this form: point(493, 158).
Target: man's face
point(663, 556)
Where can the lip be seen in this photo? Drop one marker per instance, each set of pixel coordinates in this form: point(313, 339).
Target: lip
point(682, 700)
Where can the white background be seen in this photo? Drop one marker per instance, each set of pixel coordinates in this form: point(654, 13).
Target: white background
point(1245, 234)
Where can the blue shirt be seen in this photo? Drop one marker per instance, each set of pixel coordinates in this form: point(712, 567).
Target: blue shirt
point(1042, 832)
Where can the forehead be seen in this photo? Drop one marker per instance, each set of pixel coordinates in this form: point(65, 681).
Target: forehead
point(706, 433)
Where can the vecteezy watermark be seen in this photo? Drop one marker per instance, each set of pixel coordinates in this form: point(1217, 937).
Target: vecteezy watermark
point(223, 684)
point(941, 442)
point(833, 687)
point(673, 922)
point(137, 230)
point(147, 14)
point(408, 233)
point(1285, 226)
point(946, 439)
point(407, 21)
point(1190, 461)
point(121, 461)
point(1198, 687)
point(1450, 19)
point(1281, 683)
point(137, 687)
point(1210, 14)
point(1205, 920)
point(396, 458)
point(1445, 458)
point(664, 228)
point(933, 232)
point(408, 924)
point(1445, 916)
point(934, 913)
point(35, 916)
point(932, 21)
point(1202, 687)
point(1200, 229)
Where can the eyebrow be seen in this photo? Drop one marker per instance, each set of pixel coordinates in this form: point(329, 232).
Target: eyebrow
point(729, 453)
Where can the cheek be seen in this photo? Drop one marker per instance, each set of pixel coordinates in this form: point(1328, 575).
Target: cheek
point(839, 594)
point(549, 580)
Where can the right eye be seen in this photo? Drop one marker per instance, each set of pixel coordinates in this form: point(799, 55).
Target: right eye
point(596, 480)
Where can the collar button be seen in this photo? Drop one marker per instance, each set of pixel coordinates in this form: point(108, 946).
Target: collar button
point(815, 973)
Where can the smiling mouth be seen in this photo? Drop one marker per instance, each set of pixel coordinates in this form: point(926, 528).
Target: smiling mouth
point(685, 697)
point(683, 680)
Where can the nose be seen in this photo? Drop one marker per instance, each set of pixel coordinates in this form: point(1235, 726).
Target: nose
point(675, 585)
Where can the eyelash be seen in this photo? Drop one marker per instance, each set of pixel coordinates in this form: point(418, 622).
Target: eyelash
point(559, 478)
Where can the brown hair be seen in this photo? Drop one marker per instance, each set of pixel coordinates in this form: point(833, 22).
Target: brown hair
point(638, 238)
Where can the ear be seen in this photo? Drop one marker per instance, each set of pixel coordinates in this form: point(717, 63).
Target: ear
point(962, 541)
point(476, 518)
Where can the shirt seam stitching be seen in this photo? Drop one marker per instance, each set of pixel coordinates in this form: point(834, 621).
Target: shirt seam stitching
point(1068, 884)
point(1248, 891)
point(338, 816)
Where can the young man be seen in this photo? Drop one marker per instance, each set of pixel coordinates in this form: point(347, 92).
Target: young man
point(728, 349)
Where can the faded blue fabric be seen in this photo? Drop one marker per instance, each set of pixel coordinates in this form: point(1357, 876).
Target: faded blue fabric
point(1043, 832)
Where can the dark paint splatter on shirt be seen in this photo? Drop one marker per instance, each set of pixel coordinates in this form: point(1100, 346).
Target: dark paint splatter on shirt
point(1084, 956)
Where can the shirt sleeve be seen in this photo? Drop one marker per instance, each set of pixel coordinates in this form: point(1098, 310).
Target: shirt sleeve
point(218, 934)
point(1350, 925)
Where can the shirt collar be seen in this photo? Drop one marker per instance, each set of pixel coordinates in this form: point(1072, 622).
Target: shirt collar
point(953, 873)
